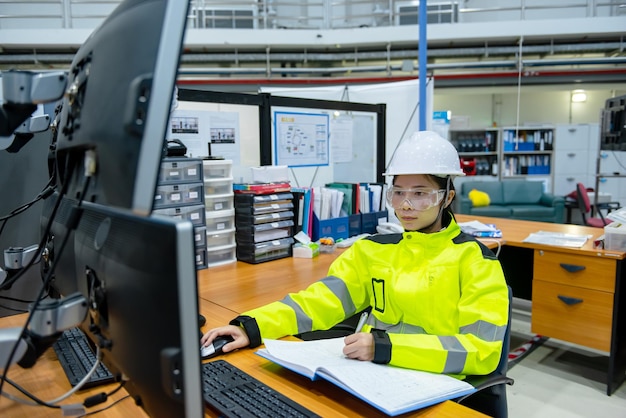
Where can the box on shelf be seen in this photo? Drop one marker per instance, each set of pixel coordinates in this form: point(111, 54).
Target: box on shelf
point(201, 258)
point(219, 186)
point(218, 239)
point(246, 219)
point(219, 221)
point(264, 251)
point(270, 174)
point(264, 232)
point(261, 188)
point(193, 213)
point(180, 170)
point(615, 236)
point(221, 255)
point(168, 195)
point(602, 197)
point(369, 221)
point(335, 228)
point(199, 237)
point(218, 202)
point(354, 225)
point(217, 169)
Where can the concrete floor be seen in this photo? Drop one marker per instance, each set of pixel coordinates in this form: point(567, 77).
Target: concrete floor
point(560, 380)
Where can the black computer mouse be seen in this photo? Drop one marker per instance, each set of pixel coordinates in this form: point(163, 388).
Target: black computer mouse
point(215, 348)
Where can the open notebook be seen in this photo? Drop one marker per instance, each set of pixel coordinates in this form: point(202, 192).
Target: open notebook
point(391, 389)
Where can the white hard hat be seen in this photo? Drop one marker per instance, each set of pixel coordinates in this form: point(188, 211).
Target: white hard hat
point(425, 152)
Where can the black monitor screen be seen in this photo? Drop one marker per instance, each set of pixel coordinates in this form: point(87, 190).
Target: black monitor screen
point(118, 102)
point(137, 271)
point(138, 274)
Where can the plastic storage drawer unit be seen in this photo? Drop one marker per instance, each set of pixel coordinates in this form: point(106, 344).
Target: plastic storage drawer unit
point(265, 251)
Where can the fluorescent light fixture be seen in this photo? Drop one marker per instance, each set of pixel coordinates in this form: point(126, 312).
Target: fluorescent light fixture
point(579, 96)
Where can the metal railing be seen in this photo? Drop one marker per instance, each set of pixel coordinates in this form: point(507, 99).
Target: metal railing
point(307, 14)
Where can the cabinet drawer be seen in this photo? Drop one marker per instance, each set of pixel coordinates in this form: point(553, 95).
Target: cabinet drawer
point(571, 161)
point(589, 272)
point(585, 318)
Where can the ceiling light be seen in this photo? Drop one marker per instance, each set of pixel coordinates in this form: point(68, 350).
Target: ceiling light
point(579, 96)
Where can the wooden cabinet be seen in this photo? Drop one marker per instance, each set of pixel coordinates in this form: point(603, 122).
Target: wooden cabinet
point(573, 298)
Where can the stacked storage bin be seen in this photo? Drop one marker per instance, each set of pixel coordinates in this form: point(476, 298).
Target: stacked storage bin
point(180, 194)
point(220, 212)
point(264, 225)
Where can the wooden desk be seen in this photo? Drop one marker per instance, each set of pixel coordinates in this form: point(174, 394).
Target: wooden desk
point(241, 286)
point(47, 381)
point(577, 294)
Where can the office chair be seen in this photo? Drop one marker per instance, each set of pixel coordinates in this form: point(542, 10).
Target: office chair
point(585, 208)
point(490, 395)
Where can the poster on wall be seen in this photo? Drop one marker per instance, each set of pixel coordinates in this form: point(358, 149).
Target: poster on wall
point(441, 122)
point(341, 133)
point(206, 134)
point(301, 139)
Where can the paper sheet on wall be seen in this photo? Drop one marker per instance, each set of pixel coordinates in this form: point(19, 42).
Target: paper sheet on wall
point(341, 131)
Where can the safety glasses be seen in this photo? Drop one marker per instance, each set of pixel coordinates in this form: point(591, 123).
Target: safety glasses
point(417, 199)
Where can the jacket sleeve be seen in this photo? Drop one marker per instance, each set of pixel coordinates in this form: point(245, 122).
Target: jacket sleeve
point(320, 306)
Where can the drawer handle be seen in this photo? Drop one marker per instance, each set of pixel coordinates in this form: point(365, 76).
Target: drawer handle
point(572, 268)
point(570, 301)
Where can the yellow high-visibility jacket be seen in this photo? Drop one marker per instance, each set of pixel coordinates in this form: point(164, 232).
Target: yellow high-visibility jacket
point(439, 301)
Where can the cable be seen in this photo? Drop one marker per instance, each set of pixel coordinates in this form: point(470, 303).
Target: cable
point(45, 192)
point(49, 274)
point(497, 241)
point(36, 400)
point(16, 299)
point(9, 308)
point(106, 407)
point(80, 384)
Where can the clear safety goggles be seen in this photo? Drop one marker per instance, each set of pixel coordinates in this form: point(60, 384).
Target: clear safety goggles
point(418, 198)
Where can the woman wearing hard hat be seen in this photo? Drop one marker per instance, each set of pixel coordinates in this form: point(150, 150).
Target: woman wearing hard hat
point(438, 298)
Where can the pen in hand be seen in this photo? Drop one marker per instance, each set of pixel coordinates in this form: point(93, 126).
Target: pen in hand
point(362, 321)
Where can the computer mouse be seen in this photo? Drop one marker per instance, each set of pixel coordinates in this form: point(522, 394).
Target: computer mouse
point(215, 348)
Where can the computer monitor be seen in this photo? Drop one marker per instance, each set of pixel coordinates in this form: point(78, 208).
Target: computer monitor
point(120, 88)
point(136, 271)
point(139, 276)
point(116, 111)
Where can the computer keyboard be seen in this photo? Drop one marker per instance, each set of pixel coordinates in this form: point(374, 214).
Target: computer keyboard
point(234, 393)
point(77, 358)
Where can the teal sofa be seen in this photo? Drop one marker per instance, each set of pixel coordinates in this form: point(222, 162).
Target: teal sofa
point(513, 199)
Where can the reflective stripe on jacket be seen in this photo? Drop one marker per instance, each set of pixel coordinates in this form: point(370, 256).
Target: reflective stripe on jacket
point(441, 298)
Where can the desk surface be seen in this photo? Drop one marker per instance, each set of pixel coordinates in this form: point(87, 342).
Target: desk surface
point(227, 290)
point(47, 380)
point(515, 231)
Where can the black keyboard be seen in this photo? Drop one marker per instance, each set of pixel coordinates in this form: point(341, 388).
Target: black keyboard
point(77, 358)
point(234, 393)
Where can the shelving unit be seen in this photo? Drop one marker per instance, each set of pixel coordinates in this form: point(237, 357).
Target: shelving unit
point(180, 194)
point(478, 150)
point(264, 225)
point(527, 151)
point(611, 156)
point(509, 152)
point(220, 212)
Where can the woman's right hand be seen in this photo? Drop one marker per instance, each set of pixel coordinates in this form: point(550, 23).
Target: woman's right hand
point(240, 338)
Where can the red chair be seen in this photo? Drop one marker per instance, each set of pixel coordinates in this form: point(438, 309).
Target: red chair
point(585, 209)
